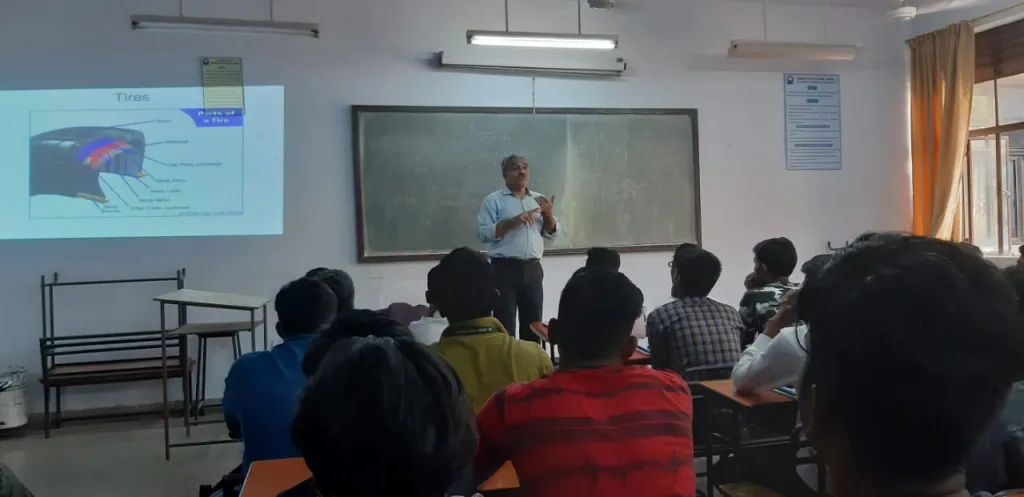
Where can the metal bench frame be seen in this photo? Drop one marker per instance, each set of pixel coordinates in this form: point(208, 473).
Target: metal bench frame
point(57, 374)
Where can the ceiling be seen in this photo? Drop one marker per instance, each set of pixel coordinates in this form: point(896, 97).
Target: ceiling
point(880, 4)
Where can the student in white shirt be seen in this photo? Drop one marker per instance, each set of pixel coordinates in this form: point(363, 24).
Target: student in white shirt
point(428, 330)
point(777, 356)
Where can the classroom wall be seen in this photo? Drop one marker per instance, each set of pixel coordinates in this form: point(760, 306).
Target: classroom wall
point(372, 53)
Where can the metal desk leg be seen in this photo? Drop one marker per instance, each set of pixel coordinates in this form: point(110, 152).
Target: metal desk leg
point(186, 380)
point(252, 328)
point(709, 449)
point(163, 377)
point(264, 327)
point(200, 377)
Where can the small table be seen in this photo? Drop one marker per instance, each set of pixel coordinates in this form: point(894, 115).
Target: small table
point(722, 394)
point(184, 299)
point(639, 357)
point(269, 478)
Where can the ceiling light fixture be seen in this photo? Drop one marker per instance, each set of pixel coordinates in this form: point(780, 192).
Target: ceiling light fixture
point(478, 60)
point(576, 40)
point(757, 49)
point(219, 25)
point(764, 49)
point(172, 23)
point(541, 40)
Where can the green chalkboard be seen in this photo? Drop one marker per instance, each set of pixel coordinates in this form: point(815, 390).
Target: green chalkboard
point(623, 178)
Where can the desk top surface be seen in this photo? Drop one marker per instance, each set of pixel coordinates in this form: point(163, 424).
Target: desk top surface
point(212, 299)
point(725, 389)
point(269, 478)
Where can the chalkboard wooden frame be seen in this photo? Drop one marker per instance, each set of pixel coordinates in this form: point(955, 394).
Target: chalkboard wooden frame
point(357, 110)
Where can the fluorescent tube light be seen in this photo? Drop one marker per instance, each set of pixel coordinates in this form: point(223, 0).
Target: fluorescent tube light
point(759, 49)
point(207, 24)
point(604, 66)
point(541, 40)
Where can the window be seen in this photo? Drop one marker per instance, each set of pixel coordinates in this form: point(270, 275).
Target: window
point(992, 200)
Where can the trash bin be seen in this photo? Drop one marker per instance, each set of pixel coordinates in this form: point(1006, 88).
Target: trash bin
point(12, 398)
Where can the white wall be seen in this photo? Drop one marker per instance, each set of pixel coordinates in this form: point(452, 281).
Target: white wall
point(371, 53)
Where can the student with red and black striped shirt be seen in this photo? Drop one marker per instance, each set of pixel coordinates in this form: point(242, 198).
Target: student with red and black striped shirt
point(595, 427)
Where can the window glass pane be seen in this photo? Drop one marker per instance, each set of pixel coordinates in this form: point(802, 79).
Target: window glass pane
point(983, 193)
point(983, 108)
point(1014, 161)
point(1011, 100)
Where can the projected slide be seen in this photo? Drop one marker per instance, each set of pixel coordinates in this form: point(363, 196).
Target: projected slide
point(139, 163)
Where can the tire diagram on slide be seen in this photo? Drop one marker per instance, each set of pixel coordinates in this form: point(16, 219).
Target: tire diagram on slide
point(136, 163)
point(69, 161)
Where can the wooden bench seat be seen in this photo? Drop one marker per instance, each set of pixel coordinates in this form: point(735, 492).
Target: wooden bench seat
point(66, 364)
point(127, 370)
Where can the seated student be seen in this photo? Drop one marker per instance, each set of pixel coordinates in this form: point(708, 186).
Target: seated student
point(603, 257)
point(382, 417)
point(595, 427)
point(262, 387)
point(996, 462)
point(340, 283)
point(913, 347)
point(609, 259)
point(777, 356)
point(694, 330)
point(359, 323)
point(477, 346)
point(774, 261)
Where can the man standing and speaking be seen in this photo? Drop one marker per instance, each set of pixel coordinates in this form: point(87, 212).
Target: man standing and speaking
point(513, 223)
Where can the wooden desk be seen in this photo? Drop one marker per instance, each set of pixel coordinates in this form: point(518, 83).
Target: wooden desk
point(639, 357)
point(725, 390)
point(720, 395)
point(269, 478)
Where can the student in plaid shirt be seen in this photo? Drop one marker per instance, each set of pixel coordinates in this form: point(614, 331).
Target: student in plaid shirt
point(694, 330)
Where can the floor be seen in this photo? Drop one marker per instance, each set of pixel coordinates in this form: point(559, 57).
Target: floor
point(115, 458)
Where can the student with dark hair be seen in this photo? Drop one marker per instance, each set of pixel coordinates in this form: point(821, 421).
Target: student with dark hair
point(997, 461)
point(595, 427)
point(340, 283)
point(777, 356)
point(603, 257)
point(382, 417)
point(485, 356)
point(774, 261)
point(359, 323)
point(972, 249)
point(914, 345)
point(694, 331)
point(262, 387)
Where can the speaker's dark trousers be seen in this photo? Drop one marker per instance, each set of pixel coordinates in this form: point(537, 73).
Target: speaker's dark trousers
point(521, 284)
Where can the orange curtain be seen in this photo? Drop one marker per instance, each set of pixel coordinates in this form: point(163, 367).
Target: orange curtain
point(941, 89)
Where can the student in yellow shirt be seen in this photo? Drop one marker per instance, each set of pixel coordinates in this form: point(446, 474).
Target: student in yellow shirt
point(477, 346)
